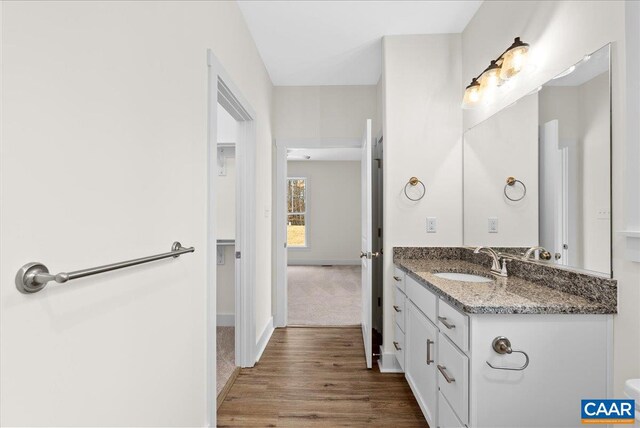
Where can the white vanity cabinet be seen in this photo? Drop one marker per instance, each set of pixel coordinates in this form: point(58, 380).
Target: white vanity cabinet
point(446, 354)
point(420, 357)
point(399, 317)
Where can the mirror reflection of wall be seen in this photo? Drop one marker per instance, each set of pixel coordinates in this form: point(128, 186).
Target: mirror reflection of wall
point(504, 146)
point(575, 149)
point(557, 142)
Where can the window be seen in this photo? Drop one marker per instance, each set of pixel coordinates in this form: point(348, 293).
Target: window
point(296, 212)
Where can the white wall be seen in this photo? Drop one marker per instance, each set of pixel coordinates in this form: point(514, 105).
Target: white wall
point(333, 207)
point(504, 145)
point(103, 159)
point(560, 34)
point(323, 112)
point(422, 129)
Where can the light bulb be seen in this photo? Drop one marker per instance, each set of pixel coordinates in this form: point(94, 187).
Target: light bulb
point(490, 78)
point(514, 59)
point(472, 94)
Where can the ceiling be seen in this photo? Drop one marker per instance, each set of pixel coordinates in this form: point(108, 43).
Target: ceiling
point(334, 154)
point(308, 43)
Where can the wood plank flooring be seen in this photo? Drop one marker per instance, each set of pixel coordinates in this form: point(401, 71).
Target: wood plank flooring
point(317, 377)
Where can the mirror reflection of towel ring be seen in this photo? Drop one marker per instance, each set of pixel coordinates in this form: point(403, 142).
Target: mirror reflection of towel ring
point(511, 181)
point(414, 181)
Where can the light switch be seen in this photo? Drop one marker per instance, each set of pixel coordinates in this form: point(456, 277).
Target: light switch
point(493, 224)
point(603, 214)
point(431, 225)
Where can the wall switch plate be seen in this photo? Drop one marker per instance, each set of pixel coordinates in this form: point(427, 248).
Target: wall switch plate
point(493, 224)
point(431, 225)
point(220, 255)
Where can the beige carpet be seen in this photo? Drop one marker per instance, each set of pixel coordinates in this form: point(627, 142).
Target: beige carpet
point(226, 363)
point(324, 295)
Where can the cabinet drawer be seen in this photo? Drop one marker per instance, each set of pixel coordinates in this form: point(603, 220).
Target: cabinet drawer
point(455, 365)
point(398, 279)
point(399, 309)
point(447, 418)
point(398, 346)
point(424, 299)
point(454, 324)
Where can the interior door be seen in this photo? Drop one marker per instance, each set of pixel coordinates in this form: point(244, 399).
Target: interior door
point(367, 240)
point(553, 193)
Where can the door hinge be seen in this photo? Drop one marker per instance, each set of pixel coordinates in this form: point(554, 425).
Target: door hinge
point(238, 254)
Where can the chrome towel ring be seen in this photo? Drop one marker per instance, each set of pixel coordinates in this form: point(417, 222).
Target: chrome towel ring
point(414, 181)
point(511, 181)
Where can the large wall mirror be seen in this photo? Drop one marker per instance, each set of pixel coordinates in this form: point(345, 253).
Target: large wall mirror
point(538, 173)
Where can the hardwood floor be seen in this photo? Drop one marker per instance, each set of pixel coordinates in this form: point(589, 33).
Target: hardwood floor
point(317, 377)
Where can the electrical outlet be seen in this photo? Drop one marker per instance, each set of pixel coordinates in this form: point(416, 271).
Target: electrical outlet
point(493, 224)
point(431, 225)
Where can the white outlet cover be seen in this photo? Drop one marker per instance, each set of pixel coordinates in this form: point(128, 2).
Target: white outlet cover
point(432, 225)
point(493, 224)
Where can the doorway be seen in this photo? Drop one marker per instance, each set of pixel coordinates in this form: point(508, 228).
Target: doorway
point(323, 237)
point(365, 252)
point(225, 98)
point(226, 182)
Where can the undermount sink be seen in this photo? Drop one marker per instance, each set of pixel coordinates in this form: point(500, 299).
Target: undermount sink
point(466, 277)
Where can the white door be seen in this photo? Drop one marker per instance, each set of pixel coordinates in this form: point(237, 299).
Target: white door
point(367, 241)
point(553, 193)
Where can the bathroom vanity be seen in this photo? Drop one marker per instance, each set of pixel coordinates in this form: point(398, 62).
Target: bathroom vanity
point(516, 351)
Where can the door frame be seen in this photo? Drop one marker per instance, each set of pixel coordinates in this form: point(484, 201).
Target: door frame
point(221, 89)
point(280, 260)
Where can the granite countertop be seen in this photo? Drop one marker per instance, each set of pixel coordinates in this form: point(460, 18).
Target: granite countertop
point(511, 295)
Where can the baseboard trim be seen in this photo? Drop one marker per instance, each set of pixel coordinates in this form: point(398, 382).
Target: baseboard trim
point(323, 262)
point(264, 338)
point(225, 320)
point(388, 362)
point(227, 387)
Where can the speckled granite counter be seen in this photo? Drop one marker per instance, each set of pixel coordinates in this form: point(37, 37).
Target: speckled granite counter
point(546, 289)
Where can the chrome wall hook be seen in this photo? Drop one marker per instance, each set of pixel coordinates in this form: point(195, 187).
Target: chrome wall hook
point(502, 345)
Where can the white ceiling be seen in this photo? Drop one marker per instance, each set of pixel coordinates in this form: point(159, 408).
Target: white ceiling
point(308, 43)
point(334, 154)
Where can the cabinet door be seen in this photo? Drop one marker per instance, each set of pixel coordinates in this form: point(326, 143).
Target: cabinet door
point(421, 372)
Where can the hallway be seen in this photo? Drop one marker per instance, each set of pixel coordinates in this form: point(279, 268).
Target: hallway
point(317, 376)
point(324, 295)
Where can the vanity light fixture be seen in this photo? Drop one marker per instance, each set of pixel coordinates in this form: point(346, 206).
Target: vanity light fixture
point(507, 65)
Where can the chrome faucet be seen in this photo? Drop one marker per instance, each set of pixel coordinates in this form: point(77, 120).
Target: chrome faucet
point(496, 269)
point(544, 254)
